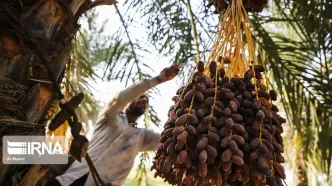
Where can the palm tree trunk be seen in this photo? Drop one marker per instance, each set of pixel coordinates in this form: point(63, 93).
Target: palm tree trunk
point(32, 31)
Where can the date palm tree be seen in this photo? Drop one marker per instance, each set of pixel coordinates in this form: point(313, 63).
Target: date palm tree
point(35, 39)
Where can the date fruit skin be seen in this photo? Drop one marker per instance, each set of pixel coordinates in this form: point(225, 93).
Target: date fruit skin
point(237, 160)
point(202, 143)
point(226, 155)
point(182, 157)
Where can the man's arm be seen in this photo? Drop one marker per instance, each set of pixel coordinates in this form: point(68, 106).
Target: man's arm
point(150, 141)
point(124, 97)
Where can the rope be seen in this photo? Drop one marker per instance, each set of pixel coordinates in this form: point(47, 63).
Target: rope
point(94, 171)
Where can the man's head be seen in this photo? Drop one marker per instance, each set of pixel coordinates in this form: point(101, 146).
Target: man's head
point(137, 108)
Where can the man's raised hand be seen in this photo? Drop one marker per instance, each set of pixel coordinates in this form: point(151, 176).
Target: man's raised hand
point(169, 73)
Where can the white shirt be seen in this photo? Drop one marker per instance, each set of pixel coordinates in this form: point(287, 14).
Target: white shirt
point(114, 143)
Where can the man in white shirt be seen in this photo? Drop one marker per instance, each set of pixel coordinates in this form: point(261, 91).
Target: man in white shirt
point(116, 141)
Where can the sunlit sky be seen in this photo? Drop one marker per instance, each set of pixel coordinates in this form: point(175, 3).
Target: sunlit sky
point(104, 90)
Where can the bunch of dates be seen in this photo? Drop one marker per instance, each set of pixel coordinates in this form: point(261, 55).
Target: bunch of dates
point(222, 131)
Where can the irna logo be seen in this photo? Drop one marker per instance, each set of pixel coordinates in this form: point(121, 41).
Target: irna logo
point(34, 150)
point(21, 148)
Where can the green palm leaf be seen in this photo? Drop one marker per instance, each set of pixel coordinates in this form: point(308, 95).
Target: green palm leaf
point(301, 66)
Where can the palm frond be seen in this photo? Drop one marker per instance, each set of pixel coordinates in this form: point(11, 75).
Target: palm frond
point(141, 176)
point(300, 65)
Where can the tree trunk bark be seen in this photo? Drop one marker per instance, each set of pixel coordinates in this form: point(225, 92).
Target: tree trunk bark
point(31, 31)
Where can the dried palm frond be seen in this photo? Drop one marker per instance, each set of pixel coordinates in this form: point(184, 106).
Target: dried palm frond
point(31, 178)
